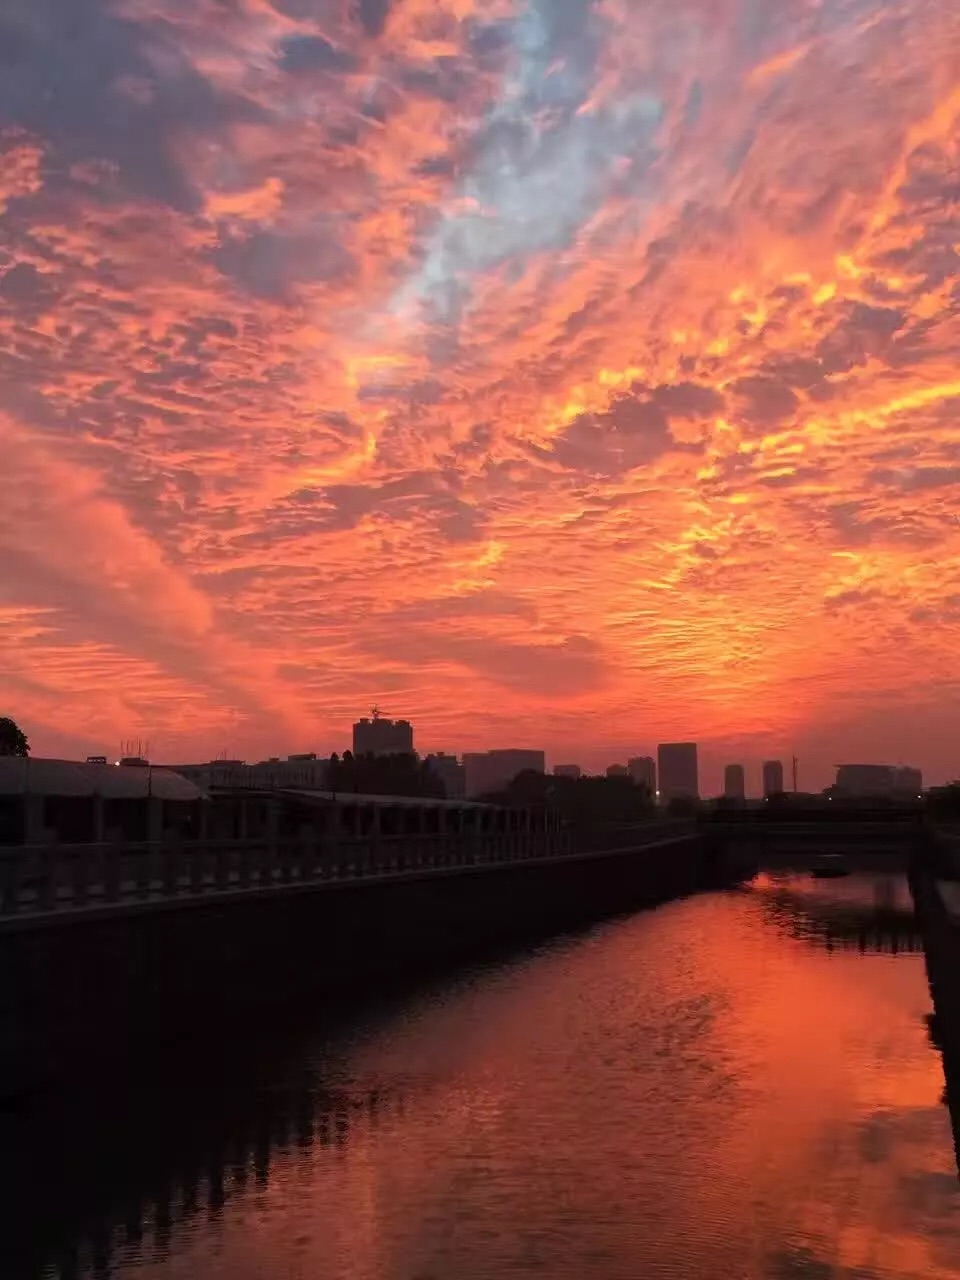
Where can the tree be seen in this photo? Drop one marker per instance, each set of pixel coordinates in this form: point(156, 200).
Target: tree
point(944, 802)
point(584, 803)
point(401, 774)
point(13, 741)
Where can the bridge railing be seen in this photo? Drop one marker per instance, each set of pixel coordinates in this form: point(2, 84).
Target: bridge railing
point(64, 877)
point(45, 879)
point(624, 837)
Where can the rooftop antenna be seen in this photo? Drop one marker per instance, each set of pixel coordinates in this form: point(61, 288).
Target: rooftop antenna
point(375, 712)
point(796, 766)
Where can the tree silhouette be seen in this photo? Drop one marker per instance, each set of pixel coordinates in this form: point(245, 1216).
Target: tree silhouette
point(583, 803)
point(390, 775)
point(944, 802)
point(13, 741)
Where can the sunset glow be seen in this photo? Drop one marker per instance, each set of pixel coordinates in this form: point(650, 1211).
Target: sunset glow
point(565, 374)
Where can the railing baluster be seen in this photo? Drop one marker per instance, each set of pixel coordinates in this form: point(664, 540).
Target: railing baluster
point(194, 861)
point(47, 881)
point(142, 867)
point(308, 866)
point(171, 871)
point(111, 873)
point(243, 857)
point(221, 866)
point(79, 870)
point(10, 904)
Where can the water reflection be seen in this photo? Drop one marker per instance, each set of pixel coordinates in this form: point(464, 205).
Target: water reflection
point(92, 1188)
point(867, 913)
point(719, 1088)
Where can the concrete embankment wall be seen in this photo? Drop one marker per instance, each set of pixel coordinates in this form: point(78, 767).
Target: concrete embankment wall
point(91, 989)
point(936, 897)
point(941, 943)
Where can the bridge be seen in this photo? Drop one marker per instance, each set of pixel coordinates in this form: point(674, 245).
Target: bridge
point(788, 836)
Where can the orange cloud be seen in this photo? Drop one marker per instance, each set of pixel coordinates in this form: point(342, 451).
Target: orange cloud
point(584, 374)
point(20, 161)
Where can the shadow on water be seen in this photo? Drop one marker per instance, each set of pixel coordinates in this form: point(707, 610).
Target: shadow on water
point(143, 1169)
point(91, 1175)
point(124, 1166)
point(120, 1166)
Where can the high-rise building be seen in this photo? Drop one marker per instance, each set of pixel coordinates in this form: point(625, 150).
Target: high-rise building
point(643, 770)
point(450, 772)
point(617, 771)
point(380, 737)
point(678, 771)
point(772, 778)
point(487, 771)
point(567, 771)
point(734, 782)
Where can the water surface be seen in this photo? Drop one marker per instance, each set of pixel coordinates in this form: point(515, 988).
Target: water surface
point(737, 1085)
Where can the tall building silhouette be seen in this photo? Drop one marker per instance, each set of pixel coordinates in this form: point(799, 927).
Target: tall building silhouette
point(772, 778)
point(734, 782)
point(643, 770)
point(678, 771)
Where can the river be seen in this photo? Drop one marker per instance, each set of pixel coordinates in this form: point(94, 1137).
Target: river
point(739, 1085)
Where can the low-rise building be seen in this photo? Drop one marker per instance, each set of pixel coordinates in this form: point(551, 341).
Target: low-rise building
point(908, 781)
point(881, 780)
point(306, 771)
point(48, 801)
point(450, 772)
point(489, 771)
point(567, 771)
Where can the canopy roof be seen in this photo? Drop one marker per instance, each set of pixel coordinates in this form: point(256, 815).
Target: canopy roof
point(384, 802)
point(21, 776)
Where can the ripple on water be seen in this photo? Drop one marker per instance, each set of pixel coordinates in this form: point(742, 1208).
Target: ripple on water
point(740, 1085)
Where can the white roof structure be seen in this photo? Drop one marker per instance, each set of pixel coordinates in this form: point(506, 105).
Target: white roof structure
point(30, 775)
point(385, 802)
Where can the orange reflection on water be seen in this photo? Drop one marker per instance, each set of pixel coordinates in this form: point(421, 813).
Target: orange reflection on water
point(727, 1086)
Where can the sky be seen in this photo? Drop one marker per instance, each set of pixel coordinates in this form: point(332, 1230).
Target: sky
point(553, 373)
